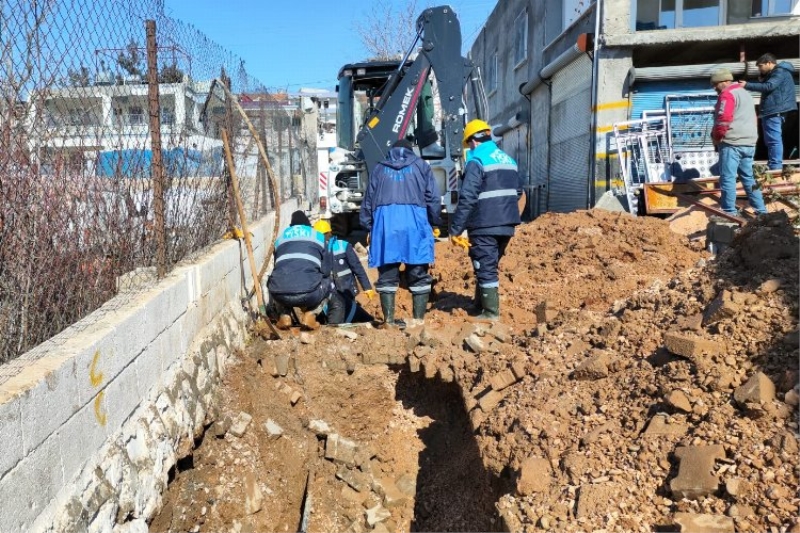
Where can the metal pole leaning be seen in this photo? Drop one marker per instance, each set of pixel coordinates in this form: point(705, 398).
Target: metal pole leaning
point(262, 309)
point(273, 185)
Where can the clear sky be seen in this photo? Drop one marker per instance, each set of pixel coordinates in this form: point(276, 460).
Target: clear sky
point(301, 43)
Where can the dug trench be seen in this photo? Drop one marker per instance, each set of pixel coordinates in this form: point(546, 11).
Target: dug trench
point(635, 383)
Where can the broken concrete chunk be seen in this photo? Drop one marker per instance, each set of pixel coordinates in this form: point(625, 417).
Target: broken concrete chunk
point(678, 400)
point(346, 333)
point(759, 389)
point(377, 514)
point(502, 379)
point(282, 364)
point(722, 307)
point(534, 476)
point(355, 479)
point(306, 338)
point(407, 485)
point(392, 495)
point(475, 343)
point(490, 400)
point(703, 523)
point(500, 331)
point(319, 427)
point(340, 450)
point(239, 424)
point(737, 487)
point(518, 368)
point(695, 477)
point(273, 429)
point(295, 397)
point(596, 367)
point(689, 346)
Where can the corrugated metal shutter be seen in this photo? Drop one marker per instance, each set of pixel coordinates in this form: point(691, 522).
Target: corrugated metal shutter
point(540, 115)
point(570, 139)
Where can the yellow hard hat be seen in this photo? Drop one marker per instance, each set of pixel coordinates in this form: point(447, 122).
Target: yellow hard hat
point(322, 226)
point(473, 127)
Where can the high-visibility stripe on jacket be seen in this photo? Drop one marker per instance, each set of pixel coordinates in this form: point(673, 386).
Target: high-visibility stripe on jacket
point(301, 261)
point(489, 192)
point(347, 267)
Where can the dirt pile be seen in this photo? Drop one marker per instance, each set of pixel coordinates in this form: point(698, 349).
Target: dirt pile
point(635, 384)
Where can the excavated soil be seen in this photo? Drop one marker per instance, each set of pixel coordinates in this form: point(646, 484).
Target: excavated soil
point(622, 357)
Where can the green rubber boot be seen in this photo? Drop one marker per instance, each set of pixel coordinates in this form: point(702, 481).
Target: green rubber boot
point(387, 306)
point(490, 301)
point(420, 306)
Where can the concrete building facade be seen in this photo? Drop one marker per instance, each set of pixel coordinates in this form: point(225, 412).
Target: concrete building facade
point(555, 100)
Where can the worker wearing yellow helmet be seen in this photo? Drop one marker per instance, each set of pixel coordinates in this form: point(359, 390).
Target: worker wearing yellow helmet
point(346, 269)
point(487, 209)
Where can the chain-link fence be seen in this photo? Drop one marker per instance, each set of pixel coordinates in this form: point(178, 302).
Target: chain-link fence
point(112, 159)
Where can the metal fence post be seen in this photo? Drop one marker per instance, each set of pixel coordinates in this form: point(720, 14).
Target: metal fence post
point(157, 164)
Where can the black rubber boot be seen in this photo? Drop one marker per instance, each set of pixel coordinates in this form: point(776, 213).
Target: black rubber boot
point(490, 300)
point(387, 306)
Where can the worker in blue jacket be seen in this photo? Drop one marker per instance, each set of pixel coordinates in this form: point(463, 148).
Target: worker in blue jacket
point(347, 268)
point(778, 93)
point(487, 208)
point(400, 207)
point(302, 273)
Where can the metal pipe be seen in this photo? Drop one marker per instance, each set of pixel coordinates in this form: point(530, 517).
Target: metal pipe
point(565, 58)
point(695, 71)
point(590, 179)
point(519, 118)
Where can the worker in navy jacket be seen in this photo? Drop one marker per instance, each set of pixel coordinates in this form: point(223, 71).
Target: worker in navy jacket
point(302, 273)
point(778, 99)
point(487, 208)
point(347, 268)
point(400, 206)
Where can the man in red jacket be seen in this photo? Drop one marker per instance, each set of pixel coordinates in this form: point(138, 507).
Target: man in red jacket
point(735, 134)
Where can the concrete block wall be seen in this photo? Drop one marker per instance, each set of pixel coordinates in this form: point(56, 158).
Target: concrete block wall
point(91, 427)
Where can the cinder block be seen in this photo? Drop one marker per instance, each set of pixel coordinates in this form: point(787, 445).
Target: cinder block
point(30, 486)
point(49, 402)
point(10, 435)
point(689, 346)
point(502, 379)
point(80, 437)
point(149, 373)
point(696, 478)
point(120, 398)
point(758, 389)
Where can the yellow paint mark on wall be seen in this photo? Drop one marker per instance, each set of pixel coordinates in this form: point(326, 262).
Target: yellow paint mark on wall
point(619, 104)
point(98, 409)
point(95, 377)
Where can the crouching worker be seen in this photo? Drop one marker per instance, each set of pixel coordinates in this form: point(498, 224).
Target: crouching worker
point(302, 274)
point(346, 269)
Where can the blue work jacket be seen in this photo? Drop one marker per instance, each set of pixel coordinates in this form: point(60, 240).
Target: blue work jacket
point(401, 203)
point(347, 267)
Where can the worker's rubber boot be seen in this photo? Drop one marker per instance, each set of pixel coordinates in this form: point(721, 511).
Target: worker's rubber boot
point(309, 320)
point(419, 306)
point(475, 306)
point(387, 306)
point(490, 300)
point(284, 322)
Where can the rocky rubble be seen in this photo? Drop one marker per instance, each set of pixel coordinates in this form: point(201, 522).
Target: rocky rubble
point(634, 384)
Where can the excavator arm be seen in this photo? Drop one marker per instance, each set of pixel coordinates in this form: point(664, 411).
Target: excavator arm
point(440, 55)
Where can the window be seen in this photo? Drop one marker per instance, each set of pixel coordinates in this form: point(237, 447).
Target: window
point(671, 14)
point(521, 37)
point(767, 8)
point(491, 73)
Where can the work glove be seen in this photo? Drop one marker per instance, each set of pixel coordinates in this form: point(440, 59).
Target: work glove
point(436, 233)
point(370, 293)
point(460, 241)
point(368, 240)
